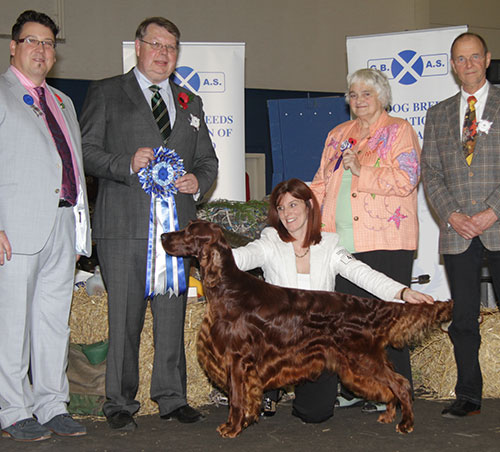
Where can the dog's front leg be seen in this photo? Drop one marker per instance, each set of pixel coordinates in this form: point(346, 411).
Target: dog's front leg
point(402, 390)
point(236, 419)
point(245, 395)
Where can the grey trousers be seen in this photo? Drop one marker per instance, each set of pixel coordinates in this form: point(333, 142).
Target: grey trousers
point(123, 266)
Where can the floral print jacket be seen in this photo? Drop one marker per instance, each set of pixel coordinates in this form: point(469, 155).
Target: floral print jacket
point(384, 196)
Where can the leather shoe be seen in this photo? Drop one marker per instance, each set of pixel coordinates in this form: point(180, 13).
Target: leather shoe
point(65, 425)
point(461, 408)
point(184, 414)
point(26, 430)
point(121, 420)
point(373, 407)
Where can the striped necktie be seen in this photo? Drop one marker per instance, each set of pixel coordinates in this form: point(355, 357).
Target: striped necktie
point(469, 131)
point(68, 186)
point(160, 113)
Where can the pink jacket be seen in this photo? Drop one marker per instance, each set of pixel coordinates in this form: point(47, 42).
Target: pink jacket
point(384, 196)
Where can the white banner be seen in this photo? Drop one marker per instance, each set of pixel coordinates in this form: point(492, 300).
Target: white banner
point(417, 65)
point(215, 71)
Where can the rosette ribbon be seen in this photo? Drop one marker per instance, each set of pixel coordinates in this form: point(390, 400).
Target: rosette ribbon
point(346, 144)
point(165, 273)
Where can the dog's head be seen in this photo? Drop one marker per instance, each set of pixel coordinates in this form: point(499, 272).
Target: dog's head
point(203, 240)
point(191, 240)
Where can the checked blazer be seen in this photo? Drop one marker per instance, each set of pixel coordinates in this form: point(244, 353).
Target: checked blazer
point(452, 185)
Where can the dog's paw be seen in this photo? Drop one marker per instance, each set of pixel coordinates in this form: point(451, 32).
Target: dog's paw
point(228, 431)
point(404, 427)
point(386, 417)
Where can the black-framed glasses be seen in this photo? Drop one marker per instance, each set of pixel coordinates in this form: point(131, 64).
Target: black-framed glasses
point(32, 42)
point(157, 46)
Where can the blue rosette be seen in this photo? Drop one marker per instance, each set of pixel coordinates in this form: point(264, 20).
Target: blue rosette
point(165, 273)
point(158, 178)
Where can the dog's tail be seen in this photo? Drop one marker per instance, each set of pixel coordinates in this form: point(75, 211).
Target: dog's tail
point(415, 320)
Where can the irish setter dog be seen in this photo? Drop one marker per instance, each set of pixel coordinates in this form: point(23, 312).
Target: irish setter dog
point(257, 336)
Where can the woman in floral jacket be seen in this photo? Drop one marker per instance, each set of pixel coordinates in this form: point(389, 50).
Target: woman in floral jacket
point(366, 186)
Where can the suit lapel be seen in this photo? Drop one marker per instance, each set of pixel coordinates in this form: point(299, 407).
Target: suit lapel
point(316, 270)
point(180, 113)
point(288, 263)
point(453, 112)
point(492, 104)
point(19, 92)
point(135, 94)
point(490, 111)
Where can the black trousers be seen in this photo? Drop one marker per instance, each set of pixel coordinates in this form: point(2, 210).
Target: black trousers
point(464, 275)
point(397, 264)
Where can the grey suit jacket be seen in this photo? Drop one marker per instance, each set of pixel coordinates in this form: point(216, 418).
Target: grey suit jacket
point(116, 120)
point(450, 183)
point(31, 171)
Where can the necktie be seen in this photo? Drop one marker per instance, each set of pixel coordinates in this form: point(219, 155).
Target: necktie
point(160, 113)
point(68, 180)
point(469, 131)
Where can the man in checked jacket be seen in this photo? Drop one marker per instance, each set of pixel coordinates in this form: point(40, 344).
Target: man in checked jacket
point(461, 174)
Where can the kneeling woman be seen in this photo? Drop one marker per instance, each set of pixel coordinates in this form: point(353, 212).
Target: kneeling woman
point(293, 252)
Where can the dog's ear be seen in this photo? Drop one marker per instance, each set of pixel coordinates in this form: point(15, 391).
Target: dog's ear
point(211, 263)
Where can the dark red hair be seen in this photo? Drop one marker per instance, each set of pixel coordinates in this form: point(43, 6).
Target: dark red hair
point(299, 190)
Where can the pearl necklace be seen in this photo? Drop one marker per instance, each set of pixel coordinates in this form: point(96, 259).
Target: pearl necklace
point(301, 255)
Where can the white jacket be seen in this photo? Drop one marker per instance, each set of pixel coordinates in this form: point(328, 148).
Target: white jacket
point(327, 259)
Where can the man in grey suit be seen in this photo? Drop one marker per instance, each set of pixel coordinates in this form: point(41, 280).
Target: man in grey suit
point(119, 133)
point(461, 174)
point(44, 224)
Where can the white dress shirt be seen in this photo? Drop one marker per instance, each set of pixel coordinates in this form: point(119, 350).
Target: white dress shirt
point(165, 93)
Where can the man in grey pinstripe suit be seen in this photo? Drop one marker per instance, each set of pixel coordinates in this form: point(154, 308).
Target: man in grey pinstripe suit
point(43, 228)
point(119, 133)
point(465, 193)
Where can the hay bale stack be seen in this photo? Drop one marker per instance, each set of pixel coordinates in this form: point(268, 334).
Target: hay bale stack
point(89, 324)
point(433, 361)
point(89, 318)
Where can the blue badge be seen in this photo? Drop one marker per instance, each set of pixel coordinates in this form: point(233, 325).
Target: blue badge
point(28, 100)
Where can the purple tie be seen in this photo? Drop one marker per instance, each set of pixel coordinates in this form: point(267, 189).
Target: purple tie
point(68, 179)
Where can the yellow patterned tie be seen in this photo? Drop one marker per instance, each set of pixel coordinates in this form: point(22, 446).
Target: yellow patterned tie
point(469, 132)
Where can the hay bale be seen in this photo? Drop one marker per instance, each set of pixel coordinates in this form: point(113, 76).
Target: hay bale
point(89, 318)
point(433, 361)
point(89, 324)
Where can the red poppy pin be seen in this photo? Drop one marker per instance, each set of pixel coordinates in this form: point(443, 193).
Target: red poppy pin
point(61, 103)
point(184, 100)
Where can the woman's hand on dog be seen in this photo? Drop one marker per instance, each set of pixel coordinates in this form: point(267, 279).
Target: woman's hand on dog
point(412, 296)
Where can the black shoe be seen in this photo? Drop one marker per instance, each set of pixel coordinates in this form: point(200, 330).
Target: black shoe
point(184, 414)
point(268, 408)
point(121, 420)
point(461, 408)
point(373, 407)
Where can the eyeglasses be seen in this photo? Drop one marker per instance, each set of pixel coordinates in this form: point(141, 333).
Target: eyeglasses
point(157, 46)
point(474, 59)
point(32, 42)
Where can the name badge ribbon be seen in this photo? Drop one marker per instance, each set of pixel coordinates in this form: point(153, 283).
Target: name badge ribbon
point(165, 273)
